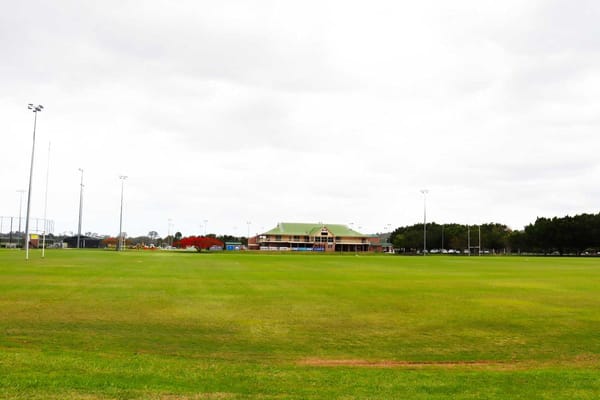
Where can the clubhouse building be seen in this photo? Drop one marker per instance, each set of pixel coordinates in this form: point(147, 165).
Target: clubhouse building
point(288, 236)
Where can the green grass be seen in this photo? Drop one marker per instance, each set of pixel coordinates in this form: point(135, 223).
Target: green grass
point(99, 324)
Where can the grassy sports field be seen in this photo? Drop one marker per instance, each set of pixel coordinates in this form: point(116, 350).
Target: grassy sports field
point(153, 325)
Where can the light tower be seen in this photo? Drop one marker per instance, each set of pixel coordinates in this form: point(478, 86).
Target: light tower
point(35, 109)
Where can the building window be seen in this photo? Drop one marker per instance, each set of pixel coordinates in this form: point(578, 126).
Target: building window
point(278, 238)
point(306, 239)
point(296, 238)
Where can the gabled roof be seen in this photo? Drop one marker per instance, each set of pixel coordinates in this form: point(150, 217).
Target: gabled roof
point(304, 229)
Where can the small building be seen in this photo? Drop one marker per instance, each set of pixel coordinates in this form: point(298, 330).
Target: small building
point(287, 236)
point(85, 242)
point(233, 246)
point(387, 247)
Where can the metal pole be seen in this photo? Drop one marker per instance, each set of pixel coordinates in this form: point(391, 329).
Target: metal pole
point(80, 209)
point(120, 243)
point(46, 204)
point(205, 223)
point(35, 110)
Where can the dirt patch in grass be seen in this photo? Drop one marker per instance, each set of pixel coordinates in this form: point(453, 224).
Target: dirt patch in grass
point(585, 360)
point(199, 396)
point(318, 362)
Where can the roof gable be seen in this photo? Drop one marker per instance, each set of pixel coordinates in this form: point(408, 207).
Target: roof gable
point(307, 229)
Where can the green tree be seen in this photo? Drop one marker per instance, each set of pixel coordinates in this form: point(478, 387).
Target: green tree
point(152, 235)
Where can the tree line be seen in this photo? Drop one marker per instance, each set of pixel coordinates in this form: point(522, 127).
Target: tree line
point(579, 234)
point(176, 240)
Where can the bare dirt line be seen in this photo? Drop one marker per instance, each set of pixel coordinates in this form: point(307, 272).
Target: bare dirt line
point(199, 396)
point(317, 362)
point(584, 360)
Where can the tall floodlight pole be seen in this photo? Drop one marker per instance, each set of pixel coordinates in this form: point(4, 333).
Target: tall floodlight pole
point(424, 191)
point(205, 223)
point(120, 245)
point(248, 223)
point(80, 208)
point(35, 110)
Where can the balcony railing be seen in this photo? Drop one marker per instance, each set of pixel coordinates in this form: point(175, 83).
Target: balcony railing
point(313, 241)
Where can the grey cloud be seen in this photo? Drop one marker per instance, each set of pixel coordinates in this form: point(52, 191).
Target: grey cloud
point(490, 105)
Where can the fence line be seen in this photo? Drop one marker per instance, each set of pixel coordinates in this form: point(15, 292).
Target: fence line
point(36, 225)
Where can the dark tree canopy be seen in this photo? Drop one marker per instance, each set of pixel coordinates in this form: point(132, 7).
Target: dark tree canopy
point(450, 236)
point(563, 235)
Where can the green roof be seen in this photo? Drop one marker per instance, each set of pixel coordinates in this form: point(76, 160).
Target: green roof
point(303, 229)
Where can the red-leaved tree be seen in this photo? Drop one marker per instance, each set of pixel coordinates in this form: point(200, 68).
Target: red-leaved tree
point(199, 242)
point(110, 241)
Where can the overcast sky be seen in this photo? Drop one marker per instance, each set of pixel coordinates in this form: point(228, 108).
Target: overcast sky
point(305, 111)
